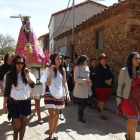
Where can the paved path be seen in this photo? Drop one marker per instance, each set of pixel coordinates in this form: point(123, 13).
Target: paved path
point(70, 129)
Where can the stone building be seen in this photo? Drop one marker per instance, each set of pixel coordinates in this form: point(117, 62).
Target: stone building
point(62, 20)
point(114, 31)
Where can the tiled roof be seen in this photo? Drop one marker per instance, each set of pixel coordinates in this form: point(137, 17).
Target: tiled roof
point(115, 5)
point(80, 4)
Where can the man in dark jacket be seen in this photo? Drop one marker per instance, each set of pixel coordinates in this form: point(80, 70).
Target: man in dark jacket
point(68, 68)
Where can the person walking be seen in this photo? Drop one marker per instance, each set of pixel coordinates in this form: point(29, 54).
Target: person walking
point(19, 82)
point(74, 58)
point(92, 76)
point(36, 93)
point(82, 89)
point(69, 72)
point(128, 93)
point(55, 79)
point(73, 81)
point(3, 70)
point(104, 78)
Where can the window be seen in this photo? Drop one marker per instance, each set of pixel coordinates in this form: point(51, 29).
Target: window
point(99, 40)
point(62, 50)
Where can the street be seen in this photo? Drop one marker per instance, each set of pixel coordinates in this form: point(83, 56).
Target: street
point(70, 129)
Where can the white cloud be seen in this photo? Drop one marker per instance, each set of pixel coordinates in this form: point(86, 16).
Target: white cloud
point(6, 12)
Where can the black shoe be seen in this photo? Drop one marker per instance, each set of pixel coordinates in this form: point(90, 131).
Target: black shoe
point(82, 120)
point(126, 137)
point(103, 117)
point(55, 138)
point(51, 139)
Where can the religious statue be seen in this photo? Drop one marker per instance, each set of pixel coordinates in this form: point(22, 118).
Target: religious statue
point(26, 27)
point(29, 46)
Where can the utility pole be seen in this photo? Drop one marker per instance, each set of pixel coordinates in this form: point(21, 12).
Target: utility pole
point(73, 24)
point(72, 44)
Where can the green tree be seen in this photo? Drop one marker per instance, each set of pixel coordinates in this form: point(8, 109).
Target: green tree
point(9, 49)
point(7, 42)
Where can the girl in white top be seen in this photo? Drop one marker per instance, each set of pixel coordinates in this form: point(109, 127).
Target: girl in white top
point(19, 82)
point(55, 79)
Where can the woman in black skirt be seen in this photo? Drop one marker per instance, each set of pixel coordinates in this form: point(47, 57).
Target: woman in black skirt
point(19, 82)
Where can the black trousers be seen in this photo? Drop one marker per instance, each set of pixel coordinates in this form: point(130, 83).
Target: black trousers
point(81, 108)
point(70, 85)
point(93, 88)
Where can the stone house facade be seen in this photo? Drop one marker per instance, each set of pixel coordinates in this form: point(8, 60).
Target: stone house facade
point(83, 11)
point(114, 31)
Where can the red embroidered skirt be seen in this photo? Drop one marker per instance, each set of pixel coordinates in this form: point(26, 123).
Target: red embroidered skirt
point(51, 102)
point(128, 110)
point(102, 94)
point(131, 107)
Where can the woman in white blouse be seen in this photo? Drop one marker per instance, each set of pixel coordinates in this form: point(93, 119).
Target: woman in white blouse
point(55, 79)
point(19, 82)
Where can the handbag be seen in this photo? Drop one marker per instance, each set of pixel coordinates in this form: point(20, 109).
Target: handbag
point(119, 111)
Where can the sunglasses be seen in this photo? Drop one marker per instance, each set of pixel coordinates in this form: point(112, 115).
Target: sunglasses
point(9, 59)
point(20, 63)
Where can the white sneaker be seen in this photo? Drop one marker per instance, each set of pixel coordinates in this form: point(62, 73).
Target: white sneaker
point(61, 117)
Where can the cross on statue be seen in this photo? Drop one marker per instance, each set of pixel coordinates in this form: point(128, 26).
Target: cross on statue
point(21, 17)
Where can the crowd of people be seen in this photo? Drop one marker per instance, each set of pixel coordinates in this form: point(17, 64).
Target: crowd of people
point(67, 79)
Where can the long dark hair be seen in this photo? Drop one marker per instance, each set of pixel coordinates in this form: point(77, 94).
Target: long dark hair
point(81, 60)
point(53, 63)
point(6, 58)
point(13, 72)
point(76, 55)
point(129, 64)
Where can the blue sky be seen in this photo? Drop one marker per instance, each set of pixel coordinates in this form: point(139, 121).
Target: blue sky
point(39, 10)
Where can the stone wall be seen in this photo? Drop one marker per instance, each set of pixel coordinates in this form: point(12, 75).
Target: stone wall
point(121, 37)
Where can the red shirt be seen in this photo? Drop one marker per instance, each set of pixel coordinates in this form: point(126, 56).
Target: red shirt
point(73, 73)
